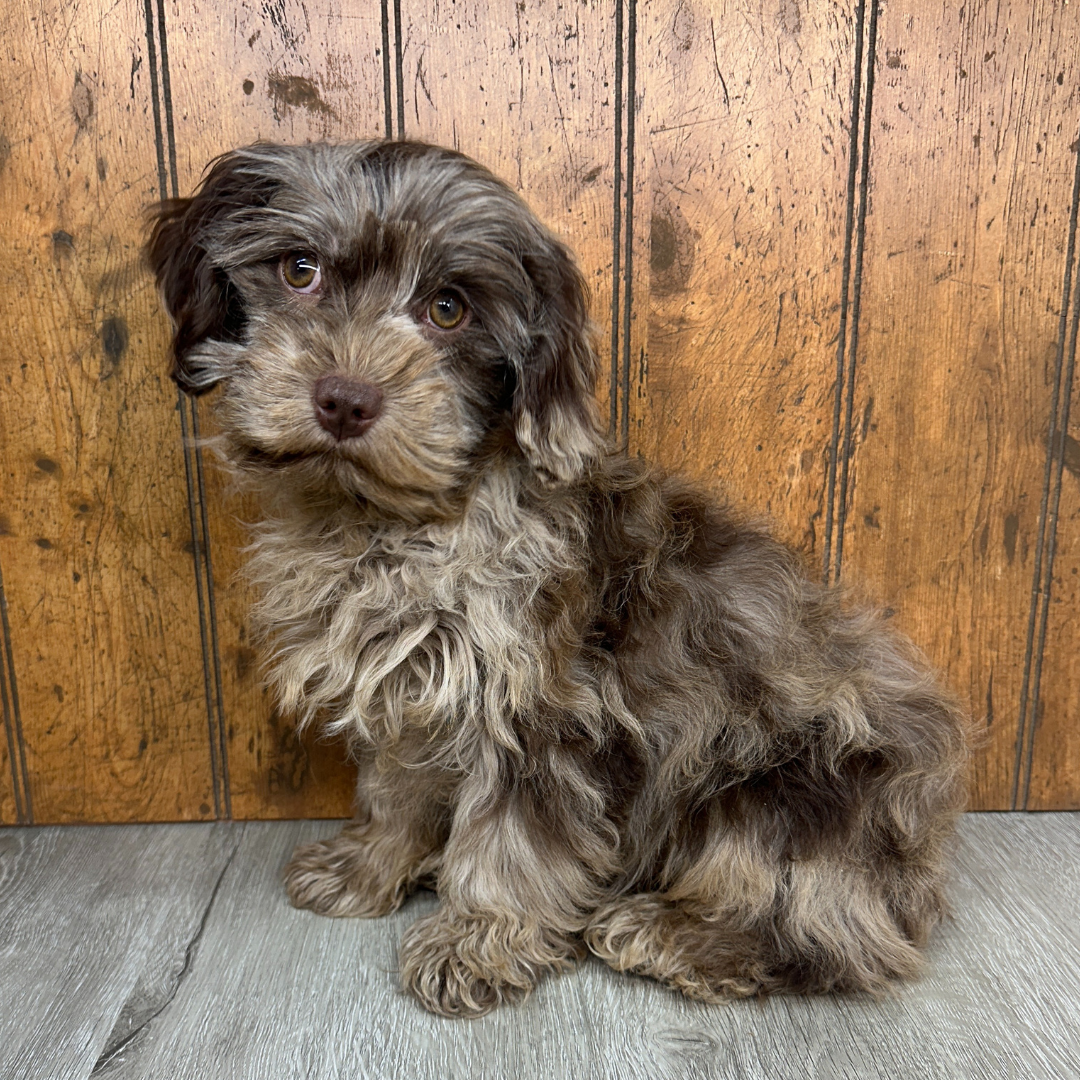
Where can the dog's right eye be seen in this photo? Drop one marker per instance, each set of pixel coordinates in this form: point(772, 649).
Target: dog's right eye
point(447, 310)
point(300, 270)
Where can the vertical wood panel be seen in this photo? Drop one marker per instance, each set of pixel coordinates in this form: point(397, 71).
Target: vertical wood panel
point(747, 113)
point(532, 96)
point(1051, 779)
point(104, 633)
point(973, 115)
point(1054, 781)
point(284, 73)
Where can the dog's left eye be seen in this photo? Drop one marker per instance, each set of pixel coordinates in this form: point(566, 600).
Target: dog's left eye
point(300, 270)
point(447, 310)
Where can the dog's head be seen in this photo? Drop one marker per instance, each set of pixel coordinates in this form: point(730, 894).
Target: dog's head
point(383, 316)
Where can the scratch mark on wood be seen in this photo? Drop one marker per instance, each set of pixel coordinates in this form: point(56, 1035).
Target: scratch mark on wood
point(422, 81)
point(274, 10)
point(716, 63)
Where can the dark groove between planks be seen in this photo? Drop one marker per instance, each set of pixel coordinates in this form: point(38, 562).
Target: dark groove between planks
point(398, 68)
point(196, 544)
point(1046, 541)
point(830, 570)
point(166, 99)
point(9, 700)
point(616, 224)
point(168, 185)
point(211, 604)
point(388, 109)
point(622, 225)
point(201, 549)
point(155, 104)
point(856, 302)
point(631, 94)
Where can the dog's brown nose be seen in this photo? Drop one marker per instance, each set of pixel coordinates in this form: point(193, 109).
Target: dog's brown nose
point(346, 407)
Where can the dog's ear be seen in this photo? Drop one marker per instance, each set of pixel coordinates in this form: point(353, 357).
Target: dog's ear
point(554, 410)
point(205, 308)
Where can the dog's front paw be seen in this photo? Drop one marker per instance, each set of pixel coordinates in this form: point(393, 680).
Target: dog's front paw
point(461, 966)
point(356, 874)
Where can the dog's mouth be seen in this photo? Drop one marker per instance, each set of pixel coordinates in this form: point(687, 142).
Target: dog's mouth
point(336, 474)
point(326, 462)
point(326, 469)
point(255, 457)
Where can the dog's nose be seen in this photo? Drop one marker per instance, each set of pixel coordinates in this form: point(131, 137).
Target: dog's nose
point(346, 407)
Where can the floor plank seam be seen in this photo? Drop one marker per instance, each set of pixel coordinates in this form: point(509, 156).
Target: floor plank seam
point(111, 1051)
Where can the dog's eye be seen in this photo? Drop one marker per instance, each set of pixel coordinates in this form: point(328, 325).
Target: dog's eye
point(301, 272)
point(446, 310)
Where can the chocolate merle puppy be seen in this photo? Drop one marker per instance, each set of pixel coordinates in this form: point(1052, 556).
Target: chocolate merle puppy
point(591, 707)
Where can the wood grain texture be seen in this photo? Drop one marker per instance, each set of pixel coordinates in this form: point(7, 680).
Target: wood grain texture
point(221, 978)
point(94, 545)
point(748, 155)
point(7, 791)
point(971, 172)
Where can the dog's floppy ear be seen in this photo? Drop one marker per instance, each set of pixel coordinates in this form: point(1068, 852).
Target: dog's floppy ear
point(204, 306)
point(554, 410)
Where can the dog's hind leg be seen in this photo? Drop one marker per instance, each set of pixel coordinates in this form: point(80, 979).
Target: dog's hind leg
point(779, 894)
point(830, 929)
point(376, 861)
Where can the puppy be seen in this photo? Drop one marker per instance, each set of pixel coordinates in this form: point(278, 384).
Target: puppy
point(591, 707)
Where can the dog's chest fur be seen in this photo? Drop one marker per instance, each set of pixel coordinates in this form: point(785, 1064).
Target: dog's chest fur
point(375, 628)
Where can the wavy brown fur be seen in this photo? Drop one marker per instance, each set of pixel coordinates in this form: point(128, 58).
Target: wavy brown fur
point(592, 707)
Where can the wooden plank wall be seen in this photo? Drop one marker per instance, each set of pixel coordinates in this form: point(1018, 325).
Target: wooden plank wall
point(832, 249)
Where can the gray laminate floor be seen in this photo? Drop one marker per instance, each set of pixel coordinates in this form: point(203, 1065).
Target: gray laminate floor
point(169, 951)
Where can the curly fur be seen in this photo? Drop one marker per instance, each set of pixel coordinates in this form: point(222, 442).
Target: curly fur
point(591, 706)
